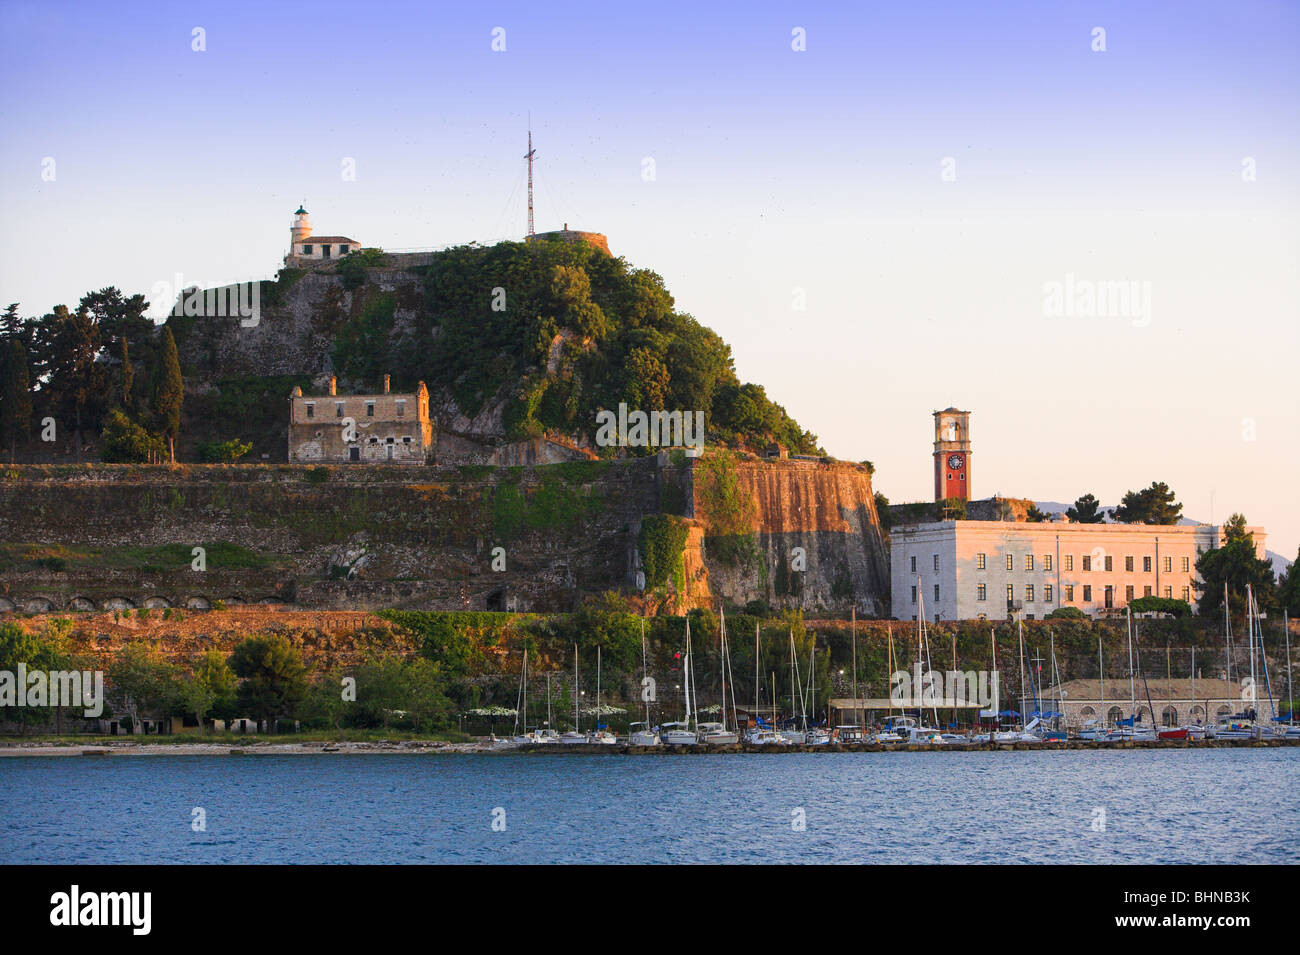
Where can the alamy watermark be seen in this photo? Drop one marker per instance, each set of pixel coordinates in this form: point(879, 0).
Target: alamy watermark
point(242, 300)
point(654, 429)
point(1086, 298)
point(39, 688)
point(943, 688)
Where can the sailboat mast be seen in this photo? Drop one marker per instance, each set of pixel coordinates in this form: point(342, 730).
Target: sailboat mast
point(1101, 673)
point(755, 674)
point(1020, 635)
point(598, 687)
point(853, 625)
point(1227, 631)
point(575, 688)
point(645, 673)
point(1132, 687)
point(890, 632)
point(686, 674)
point(1286, 630)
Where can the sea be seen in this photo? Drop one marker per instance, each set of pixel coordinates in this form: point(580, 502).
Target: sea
point(1076, 806)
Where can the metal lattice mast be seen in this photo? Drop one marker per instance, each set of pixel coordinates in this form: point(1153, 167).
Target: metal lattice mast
point(529, 156)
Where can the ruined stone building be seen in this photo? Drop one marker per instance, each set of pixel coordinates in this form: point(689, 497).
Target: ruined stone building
point(337, 429)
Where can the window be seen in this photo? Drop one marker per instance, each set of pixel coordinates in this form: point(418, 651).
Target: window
point(1029, 562)
point(370, 409)
point(306, 250)
point(1069, 562)
point(936, 561)
point(1169, 565)
point(1169, 593)
point(1011, 592)
point(1146, 565)
point(1128, 564)
point(1069, 593)
point(406, 440)
point(311, 410)
point(1146, 591)
point(979, 561)
point(913, 596)
point(1110, 596)
point(914, 564)
point(401, 409)
point(1087, 593)
point(325, 251)
point(1029, 593)
point(1128, 594)
point(343, 250)
point(1011, 562)
point(338, 409)
point(936, 593)
point(1087, 562)
point(1187, 594)
point(1187, 565)
point(1047, 592)
point(1047, 562)
point(981, 592)
point(1110, 562)
point(389, 440)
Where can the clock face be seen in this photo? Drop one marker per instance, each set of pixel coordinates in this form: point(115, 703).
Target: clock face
point(955, 461)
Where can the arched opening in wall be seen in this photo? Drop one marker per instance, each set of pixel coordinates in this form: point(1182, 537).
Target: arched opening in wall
point(118, 603)
point(1169, 716)
point(7, 605)
point(1087, 711)
point(81, 603)
point(1197, 715)
point(38, 605)
point(1144, 715)
point(157, 603)
point(198, 603)
point(234, 601)
point(496, 600)
point(1224, 710)
point(1114, 714)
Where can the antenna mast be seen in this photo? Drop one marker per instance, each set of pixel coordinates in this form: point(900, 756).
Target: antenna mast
point(529, 156)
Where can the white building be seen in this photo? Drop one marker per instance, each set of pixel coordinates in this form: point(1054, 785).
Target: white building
point(969, 570)
point(305, 248)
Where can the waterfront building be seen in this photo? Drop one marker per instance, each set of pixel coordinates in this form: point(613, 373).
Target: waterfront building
point(986, 570)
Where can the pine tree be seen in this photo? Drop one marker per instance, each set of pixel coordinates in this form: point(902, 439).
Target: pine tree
point(16, 416)
point(169, 393)
point(1086, 510)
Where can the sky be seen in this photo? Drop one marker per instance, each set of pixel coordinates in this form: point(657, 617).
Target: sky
point(881, 223)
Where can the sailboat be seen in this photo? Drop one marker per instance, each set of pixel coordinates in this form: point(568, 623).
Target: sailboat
point(917, 731)
point(1095, 729)
point(641, 733)
point(1128, 730)
point(760, 735)
point(600, 734)
point(717, 734)
point(682, 733)
point(573, 736)
point(817, 735)
point(543, 734)
point(798, 733)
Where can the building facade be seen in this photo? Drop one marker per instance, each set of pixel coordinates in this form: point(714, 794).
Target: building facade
point(982, 570)
point(338, 429)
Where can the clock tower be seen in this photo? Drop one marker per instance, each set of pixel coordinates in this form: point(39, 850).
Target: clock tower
point(952, 454)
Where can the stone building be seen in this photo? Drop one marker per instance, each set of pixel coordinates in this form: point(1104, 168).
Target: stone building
point(308, 249)
point(978, 570)
point(337, 429)
point(1177, 701)
point(596, 240)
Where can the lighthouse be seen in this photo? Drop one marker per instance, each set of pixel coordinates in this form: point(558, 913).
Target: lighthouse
point(300, 229)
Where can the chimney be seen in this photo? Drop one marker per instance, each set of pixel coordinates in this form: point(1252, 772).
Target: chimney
point(334, 385)
point(386, 382)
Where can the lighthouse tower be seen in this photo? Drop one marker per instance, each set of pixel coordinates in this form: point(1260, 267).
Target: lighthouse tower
point(299, 230)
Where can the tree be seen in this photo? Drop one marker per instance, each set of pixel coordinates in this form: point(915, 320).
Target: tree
point(1288, 588)
point(1151, 505)
point(1086, 510)
point(146, 683)
point(76, 382)
point(127, 374)
point(273, 678)
point(10, 323)
point(211, 683)
point(1234, 563)
point(1033, 515)
point(169, 394)
point(125, 442)
point(37, 652)
point(223, 451)
point(16, 412)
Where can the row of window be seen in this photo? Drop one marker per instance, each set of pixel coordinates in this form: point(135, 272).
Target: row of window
point(1049, 593)
point(1106, 562)
point(370, 409)
point(324, 250)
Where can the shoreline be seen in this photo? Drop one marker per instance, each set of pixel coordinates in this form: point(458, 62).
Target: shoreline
point(436, 747)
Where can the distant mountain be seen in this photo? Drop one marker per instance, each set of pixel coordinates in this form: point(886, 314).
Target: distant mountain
point(1280, 563)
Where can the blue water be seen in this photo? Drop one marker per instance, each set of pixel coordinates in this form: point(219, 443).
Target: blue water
point(1179, 806)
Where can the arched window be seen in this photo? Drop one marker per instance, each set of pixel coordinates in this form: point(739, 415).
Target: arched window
point(1114, 714)
point(1087, 711)
point(1169, 716)
point(1224, 710)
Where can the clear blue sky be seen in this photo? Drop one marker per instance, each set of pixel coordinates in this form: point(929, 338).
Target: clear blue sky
point(775, 170)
